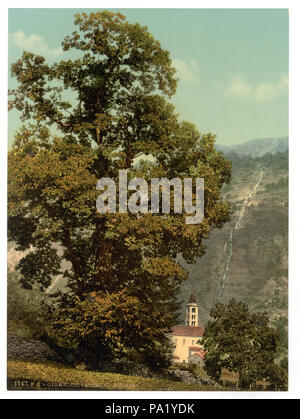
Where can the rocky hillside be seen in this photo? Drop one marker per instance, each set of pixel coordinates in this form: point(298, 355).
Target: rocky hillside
point(248, 258)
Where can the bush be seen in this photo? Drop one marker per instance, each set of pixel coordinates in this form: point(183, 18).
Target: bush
point(105, 327)
point(25, 316)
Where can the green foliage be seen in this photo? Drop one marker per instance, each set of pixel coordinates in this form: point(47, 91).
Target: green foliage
point(242, 342)
point(277, 162)
point(284, 363)
point(282, 183)
point(119, 263)
point(25, 316)
point(281, 325)
point(115, 323)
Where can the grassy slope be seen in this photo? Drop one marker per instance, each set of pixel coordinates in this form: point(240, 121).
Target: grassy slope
point(49, 372)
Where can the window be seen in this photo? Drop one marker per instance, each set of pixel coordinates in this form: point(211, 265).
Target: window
point(183, 342)
point(193, 342)
point(193, 310)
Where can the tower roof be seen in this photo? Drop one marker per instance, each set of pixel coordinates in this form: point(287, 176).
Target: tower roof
point(192, 299)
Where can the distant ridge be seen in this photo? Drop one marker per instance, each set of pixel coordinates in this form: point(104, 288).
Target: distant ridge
point(258, 147)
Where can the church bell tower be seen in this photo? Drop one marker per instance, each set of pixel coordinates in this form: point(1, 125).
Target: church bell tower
point(191, 317)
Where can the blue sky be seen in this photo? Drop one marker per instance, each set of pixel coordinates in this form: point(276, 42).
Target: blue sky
point(232, 63)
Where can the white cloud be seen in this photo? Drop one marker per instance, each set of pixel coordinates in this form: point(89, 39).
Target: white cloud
point(34, 43)
point(187, 71)
point(262, 92)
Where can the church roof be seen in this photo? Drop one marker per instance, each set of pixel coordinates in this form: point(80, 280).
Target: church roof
point(193, 299)
point(192, 331)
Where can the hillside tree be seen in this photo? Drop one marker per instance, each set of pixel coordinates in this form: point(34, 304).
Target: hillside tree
point(242, 342)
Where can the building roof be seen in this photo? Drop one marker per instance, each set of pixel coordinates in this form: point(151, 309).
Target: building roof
point(199, 354)
point(192, 331)
point(176, 357)
point(192, 299)
point(195, 349)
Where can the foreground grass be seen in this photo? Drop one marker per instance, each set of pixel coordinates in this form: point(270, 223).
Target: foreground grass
point(53, 376)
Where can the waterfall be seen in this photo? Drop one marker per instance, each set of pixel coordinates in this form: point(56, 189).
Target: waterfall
point(228, 243)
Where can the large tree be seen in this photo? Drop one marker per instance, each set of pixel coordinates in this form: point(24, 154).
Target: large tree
point(116, 111)
point(243, 342)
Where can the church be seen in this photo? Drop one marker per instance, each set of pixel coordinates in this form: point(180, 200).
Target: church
point(187, 338)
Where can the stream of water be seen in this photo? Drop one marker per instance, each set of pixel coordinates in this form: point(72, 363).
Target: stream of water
point(228, 243)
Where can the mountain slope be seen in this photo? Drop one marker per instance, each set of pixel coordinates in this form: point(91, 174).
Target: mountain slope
point(257, 148)
point(248, 260)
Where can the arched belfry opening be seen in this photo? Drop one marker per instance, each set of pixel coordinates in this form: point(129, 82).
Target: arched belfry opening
point(192, 311)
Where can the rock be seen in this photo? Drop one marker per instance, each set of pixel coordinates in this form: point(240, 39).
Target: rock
point(190, 378)
point(185, 376)
point(23, 348)
point(206, 381)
